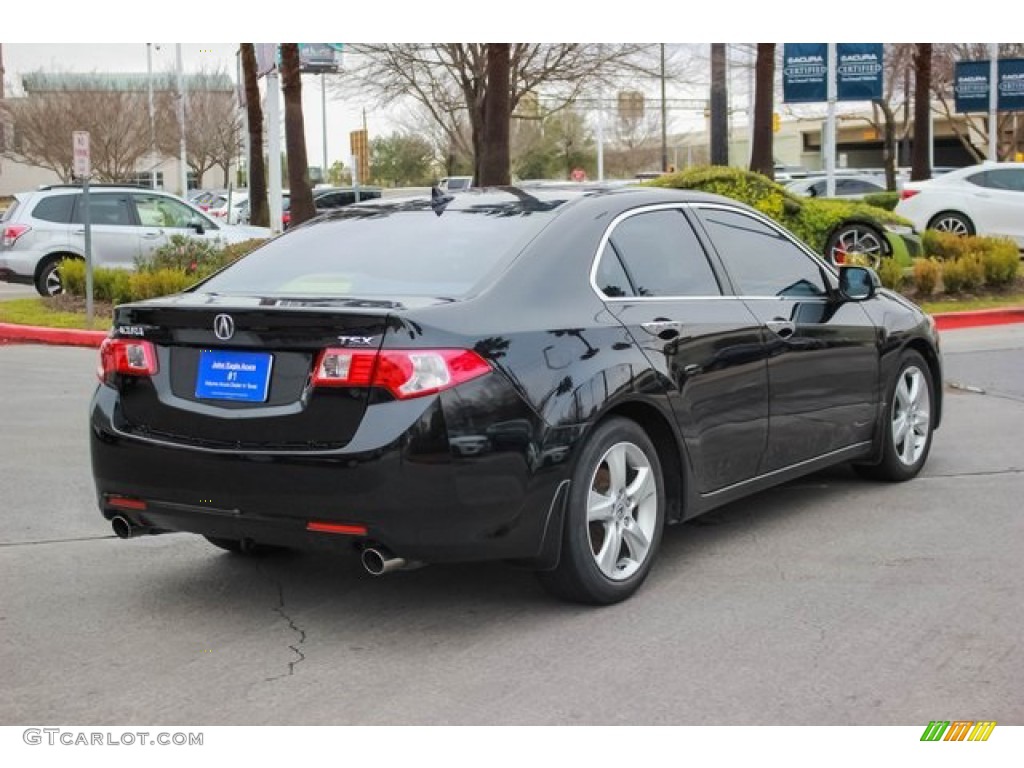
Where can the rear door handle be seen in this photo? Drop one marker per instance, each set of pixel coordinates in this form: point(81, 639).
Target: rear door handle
point(663, 328)
point(781, 328)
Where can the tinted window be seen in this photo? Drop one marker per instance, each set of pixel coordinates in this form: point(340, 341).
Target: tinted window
point(662, 256)
point(856, 187)
point(388, 250)
point(761, 261)
point(106, 209)
point(1004, 178)
point(159, 211)
point(611, 277)
point(55, 208)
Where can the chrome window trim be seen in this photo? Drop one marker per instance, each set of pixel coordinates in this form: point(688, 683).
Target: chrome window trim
point(680, 206)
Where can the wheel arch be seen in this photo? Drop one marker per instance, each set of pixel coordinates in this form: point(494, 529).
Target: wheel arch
point(52, 257)
point(935, 369)
point(952, 211)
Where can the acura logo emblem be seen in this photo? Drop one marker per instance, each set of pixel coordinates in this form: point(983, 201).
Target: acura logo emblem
point(223, 327)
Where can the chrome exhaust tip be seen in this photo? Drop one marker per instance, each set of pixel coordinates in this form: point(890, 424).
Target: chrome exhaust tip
point(123, 529)
point(377, 561)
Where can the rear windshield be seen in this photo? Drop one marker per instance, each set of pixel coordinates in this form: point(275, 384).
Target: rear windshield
point(10, 210)
point(390, 250)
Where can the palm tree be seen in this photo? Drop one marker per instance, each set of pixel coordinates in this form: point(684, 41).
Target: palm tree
point(299, 190)
point(921, 161)
point(259, 211)
point(762, 158)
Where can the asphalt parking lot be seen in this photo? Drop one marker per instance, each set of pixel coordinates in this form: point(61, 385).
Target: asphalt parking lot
point(829, 601)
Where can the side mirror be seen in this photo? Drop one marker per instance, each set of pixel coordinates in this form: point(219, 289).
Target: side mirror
point(858, 283)
point(197, 225)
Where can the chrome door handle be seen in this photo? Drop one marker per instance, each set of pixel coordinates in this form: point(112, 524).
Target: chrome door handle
point(781, 328)
point(663, 329)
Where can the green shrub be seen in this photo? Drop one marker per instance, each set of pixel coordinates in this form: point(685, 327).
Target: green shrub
point(947, 246)
point(185, 254)
point(891, 274)
point(72, 276)
point(237, 250)
point(927, 273)
point(884, 200)
point(963, 274)
point(810, 219)
point(1001, 261)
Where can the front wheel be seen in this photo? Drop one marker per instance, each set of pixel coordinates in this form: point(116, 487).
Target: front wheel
point(615, 517)
point(856, 239)
point(952, 222)
point(908, 426)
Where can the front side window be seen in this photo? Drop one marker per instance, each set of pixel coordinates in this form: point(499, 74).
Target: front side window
point(760, 259)
point(658, 254)
point(159, 211)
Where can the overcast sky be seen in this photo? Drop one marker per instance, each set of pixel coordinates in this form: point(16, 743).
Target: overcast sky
point(19, 58)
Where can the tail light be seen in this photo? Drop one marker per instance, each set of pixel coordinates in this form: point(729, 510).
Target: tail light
point(12, 232)
point(906, 194)
point(127, 357)
point(405, 373)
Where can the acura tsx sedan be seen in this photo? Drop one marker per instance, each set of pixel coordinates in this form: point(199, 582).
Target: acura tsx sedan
point(542, 376)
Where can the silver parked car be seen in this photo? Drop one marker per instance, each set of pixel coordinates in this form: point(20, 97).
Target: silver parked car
point(45, 226)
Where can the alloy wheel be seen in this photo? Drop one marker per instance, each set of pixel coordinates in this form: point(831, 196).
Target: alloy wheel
point(911, 415)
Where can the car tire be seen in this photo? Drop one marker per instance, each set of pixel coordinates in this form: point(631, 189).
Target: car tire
point(614, 519)
point(856, 238)
point(48, 281)
point(951, 221)
point(907, 436)
point(244, 546)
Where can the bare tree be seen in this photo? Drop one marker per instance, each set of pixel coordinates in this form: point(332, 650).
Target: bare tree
point(300, 191)
point(762, 157)
point(53, 108)
point(450, 79)
point(259, 209)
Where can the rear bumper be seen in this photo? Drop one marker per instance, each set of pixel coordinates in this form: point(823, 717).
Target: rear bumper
point(413, 493)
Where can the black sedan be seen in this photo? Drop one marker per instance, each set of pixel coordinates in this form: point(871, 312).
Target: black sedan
point(545, 376)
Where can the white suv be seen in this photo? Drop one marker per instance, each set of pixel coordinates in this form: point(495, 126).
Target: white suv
point(44, 226)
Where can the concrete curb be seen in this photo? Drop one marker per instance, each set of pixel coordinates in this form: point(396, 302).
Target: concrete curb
point(68, 337)
point(31, 334)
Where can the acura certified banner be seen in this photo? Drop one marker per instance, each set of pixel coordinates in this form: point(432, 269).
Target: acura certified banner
point(805, 72)
point(971, 85)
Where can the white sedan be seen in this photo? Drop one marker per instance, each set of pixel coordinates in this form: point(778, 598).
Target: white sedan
point(986, 199)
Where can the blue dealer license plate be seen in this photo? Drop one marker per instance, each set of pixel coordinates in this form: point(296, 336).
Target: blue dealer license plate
point(242, 376)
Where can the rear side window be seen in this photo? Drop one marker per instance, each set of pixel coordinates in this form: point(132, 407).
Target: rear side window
point(56, 208)
point(387, 251)
point(659, 254)
point(106, 210)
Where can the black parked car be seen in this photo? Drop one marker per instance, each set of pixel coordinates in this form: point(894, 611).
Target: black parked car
point(545, 376)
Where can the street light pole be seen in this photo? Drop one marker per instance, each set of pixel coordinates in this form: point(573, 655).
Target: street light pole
point(152, 117)
point(664, 115)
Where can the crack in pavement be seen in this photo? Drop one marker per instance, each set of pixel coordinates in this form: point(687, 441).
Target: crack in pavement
point(279, 609)
point(973, 474)
point(55, 541)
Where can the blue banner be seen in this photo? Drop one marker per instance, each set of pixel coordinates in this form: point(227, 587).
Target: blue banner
point(804, 67)
point(859, 71)
point(971, 86)
point(1011, 85)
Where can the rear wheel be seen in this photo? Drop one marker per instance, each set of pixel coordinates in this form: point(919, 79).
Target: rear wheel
point(614, 520)
point(951, 221)
point(48, 281)
point(908, 425)
point(244, 546)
